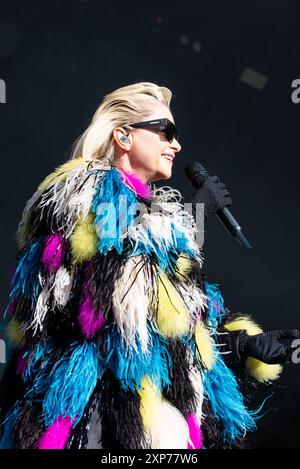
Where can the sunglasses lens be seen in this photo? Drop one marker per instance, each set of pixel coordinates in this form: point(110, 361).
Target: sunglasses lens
point(171, 132)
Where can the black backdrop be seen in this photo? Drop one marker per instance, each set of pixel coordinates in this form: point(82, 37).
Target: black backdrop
point(230, 66)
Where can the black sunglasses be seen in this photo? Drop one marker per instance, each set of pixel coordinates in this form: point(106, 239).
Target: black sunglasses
point(162, 125)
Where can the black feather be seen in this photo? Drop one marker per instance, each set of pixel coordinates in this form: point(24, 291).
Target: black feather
point(119, 411)
point(180, 392)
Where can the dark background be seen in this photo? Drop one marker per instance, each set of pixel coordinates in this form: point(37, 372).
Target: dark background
point(59, 58)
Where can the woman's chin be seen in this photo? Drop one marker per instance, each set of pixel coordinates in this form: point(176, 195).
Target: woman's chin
point(161, 176)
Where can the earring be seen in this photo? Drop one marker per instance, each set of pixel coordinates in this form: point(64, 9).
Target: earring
point(124, 139)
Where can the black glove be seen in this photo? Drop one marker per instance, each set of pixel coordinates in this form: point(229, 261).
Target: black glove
point(265, 346)
point(213, 194)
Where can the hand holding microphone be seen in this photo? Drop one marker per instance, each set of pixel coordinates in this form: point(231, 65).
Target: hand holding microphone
point(215, 196)
point(265, 346)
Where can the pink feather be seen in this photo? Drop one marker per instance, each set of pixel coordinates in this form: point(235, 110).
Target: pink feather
point(132, 180)
point(11, 307)
point(57, 435)
point(21, 364)
point(195, 432)
point(53, 252)
point(90, 320)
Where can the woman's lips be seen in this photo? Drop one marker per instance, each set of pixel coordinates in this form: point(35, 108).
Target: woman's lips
point(169, 160)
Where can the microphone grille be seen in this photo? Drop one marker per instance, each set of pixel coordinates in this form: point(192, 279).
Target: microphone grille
point(195, 171)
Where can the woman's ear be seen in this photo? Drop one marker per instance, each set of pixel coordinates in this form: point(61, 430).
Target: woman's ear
point(122, 138)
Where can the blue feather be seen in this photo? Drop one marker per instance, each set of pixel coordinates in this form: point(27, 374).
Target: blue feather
point(41, 352)
point(117, 215)
point(220, 383)
point(216, 308)
point(25, 280)
point(130, 365)
point(8, 427)
point(71, 382)
point(112, 199)
point(226, 401)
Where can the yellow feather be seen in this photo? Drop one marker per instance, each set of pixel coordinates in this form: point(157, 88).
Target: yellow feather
point(244, 322)
point(172, 315)
point(84, 240)
point(150, 402)
point(14, 332)
point(183, 266)
point(205, 345)
point(21, 236)
point(257, 369)
point(60, 173)
point(262, 371)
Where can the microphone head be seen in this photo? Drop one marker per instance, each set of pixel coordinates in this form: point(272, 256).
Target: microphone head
point(196, 174)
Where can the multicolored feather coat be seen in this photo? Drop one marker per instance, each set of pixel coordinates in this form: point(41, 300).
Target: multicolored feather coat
point(116, 331)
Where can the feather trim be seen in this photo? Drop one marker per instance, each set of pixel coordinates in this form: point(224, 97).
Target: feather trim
point(84, 240)
point(164, 232)
point(90, 320)
point(14, 332)
point(129, 366)
point(195, 300)
point(119, 412)
point(195, 433)
point(263, 371)
point(132, 180)
point(28, 426)
point(53, 252)
point(244, 322)
point(183, 267)
point(196, 380)
point(62, 287)
point(87, 434)
point(71, 383)
point(172, 314)
point(205, 345)
point(102, 272)
point(164, 424)
point(185, 390)
point(22, 232)
point(257, 369)
point(60, 174)
point(61, 200)
point(226, 401)
point(72, 200)
point(57, 435)
point(26, 283)
point(131, 296)
point(42, 305)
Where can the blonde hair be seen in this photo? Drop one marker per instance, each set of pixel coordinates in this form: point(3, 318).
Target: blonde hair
point(132, 103)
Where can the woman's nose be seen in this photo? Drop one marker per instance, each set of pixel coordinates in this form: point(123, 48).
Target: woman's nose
point(175, 145)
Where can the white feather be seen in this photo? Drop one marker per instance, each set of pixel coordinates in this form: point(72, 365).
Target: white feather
point(131, 300)
point(194, 298)
point(73, 198)
point(197, 383)
point(169, 429)
point(62, 287)
point(27, 210)
point(157, 227)
point(42, 305)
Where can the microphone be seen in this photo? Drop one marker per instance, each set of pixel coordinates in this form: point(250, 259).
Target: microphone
point(197, 175)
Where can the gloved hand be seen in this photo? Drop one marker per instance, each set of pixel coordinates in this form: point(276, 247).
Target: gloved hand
point(213, 194)
point(264, 347)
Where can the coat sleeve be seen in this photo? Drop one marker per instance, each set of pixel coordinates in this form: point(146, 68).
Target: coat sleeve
point(225, 321)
